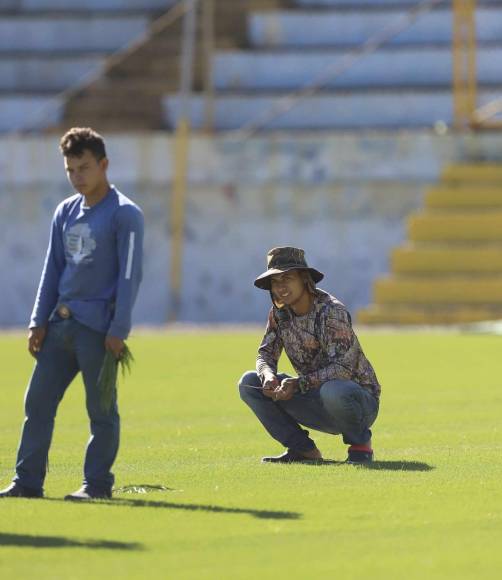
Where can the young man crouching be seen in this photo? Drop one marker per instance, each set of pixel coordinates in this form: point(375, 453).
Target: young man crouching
point(336, 390)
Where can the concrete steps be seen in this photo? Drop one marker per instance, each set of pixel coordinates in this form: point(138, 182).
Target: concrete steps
point(444, 315)
point(451, 290)
point(450, 270)
point(476, 173)
point(454, 226)
point(482, 197)
point(433, 260)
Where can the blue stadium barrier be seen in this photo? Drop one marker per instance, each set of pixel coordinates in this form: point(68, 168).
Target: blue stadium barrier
point(83, 5)
point(23, 34)
point(34, 73)
point(361, 4)
point(377, 109)
point(354, 4)
point(33, 112)
point(303, 29)
point(418, 67)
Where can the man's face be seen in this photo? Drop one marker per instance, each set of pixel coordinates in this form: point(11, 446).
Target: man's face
point(86, 173)
point(288, 287)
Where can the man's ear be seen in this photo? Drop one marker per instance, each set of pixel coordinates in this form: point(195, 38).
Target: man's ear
point(104, 163)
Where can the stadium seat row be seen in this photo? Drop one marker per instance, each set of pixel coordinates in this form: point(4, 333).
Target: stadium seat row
point(376, 109)
point(334, 28)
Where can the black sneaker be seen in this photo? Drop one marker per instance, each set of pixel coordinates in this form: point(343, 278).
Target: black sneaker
point(290, 456)
point(17, 490)
point(359, 457)
point(87, 493)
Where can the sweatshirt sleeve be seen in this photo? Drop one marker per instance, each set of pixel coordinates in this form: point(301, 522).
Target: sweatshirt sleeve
point(48, 289)
point(129, 238)
point(270, 349)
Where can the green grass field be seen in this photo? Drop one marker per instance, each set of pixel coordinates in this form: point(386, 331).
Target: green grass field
point(430, 507)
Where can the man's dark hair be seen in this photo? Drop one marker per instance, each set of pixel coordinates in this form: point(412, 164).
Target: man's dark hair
point(309, 282)
point(78, 139)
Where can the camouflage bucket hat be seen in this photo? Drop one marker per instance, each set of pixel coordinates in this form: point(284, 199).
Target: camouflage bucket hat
point(281, 260)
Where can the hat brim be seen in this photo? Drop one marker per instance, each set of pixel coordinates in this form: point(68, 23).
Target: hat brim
point(263, 280)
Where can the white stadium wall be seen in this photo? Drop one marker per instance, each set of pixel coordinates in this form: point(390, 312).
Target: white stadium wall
point(342, 197)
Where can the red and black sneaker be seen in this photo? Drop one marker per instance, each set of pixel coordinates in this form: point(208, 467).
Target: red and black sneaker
point(359, 455)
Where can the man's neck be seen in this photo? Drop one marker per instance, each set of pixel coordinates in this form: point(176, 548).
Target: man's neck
point(303, 305)
point(97, 195)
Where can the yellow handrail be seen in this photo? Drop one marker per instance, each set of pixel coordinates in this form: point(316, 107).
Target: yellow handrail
point(464, 63)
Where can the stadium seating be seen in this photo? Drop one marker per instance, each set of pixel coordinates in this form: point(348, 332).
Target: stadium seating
point(405, 83)
point(333, 28)
point(47, 46)
point(450, 270)
point(428, 67)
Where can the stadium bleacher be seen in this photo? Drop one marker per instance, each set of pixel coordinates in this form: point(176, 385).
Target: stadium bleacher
point(405, 83)
point(47, 46)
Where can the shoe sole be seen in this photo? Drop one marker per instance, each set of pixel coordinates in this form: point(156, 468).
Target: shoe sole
point(70, 498)
point(307, 461)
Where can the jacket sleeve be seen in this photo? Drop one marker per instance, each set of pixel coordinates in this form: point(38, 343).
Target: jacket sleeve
point(270, 349)
point(129, 238)
point(340, 344)
point(48, 289)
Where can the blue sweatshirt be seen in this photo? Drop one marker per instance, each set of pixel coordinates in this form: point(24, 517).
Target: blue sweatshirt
point(93, 263)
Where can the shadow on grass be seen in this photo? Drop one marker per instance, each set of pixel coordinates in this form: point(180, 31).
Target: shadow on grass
point(399, 466)
point(265, 514)
point(193, 507)
point(28, 541)
point(382, 465)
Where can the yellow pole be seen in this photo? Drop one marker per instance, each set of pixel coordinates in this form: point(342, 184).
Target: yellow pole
point(464, 63)
point(181, 154)
point(177, 213)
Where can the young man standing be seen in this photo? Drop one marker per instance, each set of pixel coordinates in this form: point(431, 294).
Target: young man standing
point(83, 308)
point(336, 390)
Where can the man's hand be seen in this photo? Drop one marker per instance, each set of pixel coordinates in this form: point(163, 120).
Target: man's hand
point(114, 345)
point(35, 339)
point(270, 383)
point(286, 390)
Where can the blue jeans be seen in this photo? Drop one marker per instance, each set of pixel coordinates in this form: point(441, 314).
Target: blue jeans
point(69, 347)
point(337, 407)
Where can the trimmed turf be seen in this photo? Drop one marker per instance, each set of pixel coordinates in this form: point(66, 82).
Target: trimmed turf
point(430, 507)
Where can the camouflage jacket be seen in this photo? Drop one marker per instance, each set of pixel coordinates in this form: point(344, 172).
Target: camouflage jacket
point(321, 345)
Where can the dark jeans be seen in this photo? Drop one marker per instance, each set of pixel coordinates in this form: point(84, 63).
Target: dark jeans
point(337, 407)
point(69, 347)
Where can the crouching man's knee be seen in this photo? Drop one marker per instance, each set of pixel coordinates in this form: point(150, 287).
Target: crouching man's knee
point(339, 396)
point(248, 379)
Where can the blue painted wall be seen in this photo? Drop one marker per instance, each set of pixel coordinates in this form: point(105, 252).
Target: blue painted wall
point(343, 197)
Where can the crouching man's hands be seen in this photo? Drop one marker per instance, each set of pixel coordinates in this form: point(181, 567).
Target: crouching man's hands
point(270, 384)
point(286, 390)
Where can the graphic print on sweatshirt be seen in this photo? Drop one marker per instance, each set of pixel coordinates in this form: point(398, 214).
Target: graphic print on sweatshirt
point(79, 244)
